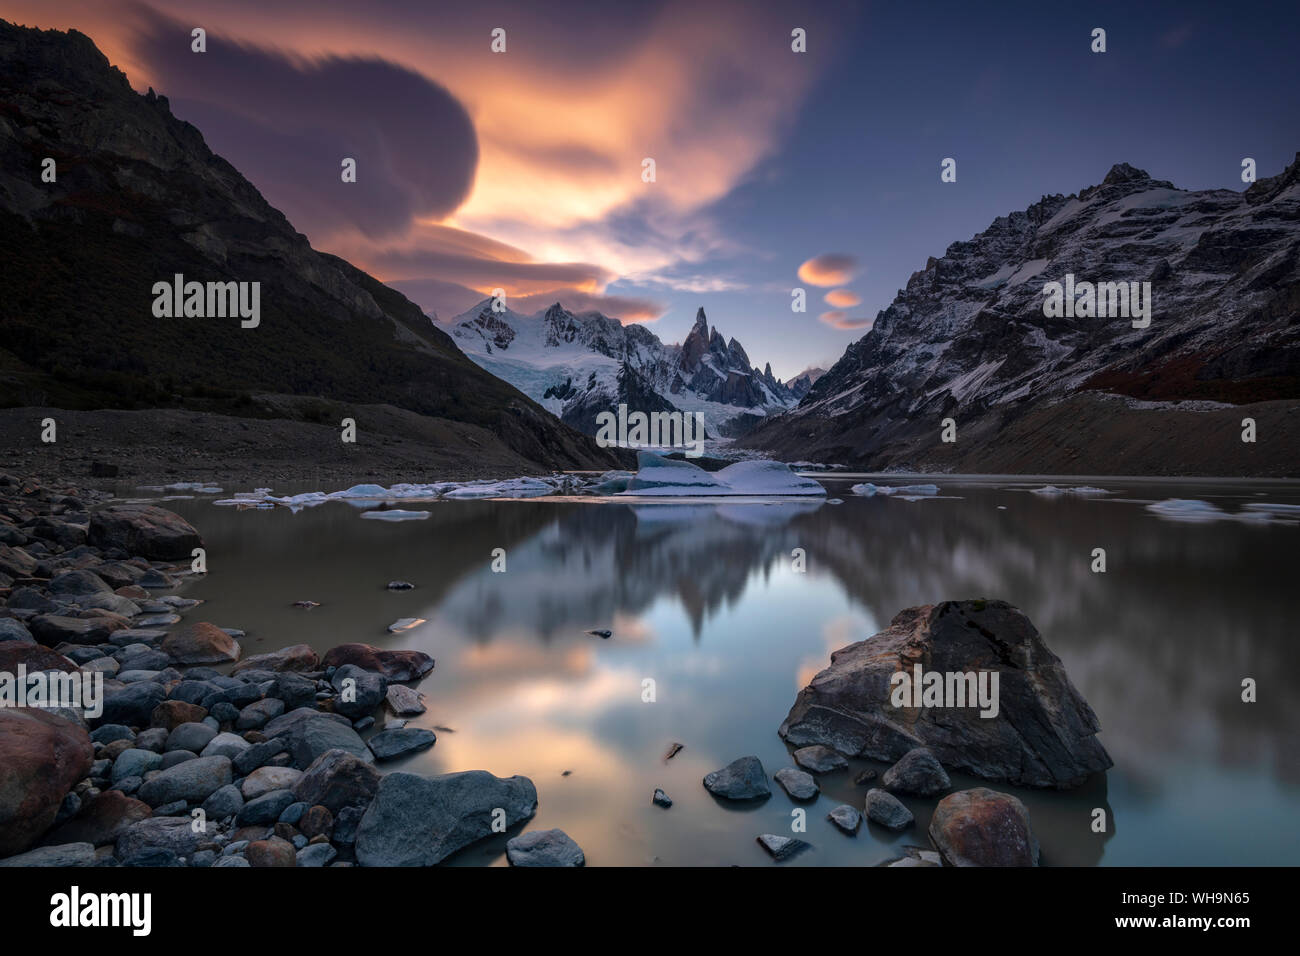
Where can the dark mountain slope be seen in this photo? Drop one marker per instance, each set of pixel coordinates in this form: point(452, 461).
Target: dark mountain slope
point(138, 198)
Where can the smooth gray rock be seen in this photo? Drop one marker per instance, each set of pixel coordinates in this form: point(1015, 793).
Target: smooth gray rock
point(418, 821)
point(781, 847)
point(819, 759)
point(544, 848)
point(317, 854)
point(191, 736)
point(266, 809)
point(266, 779)
point(661, 799)
point(193, 781)
point(134, 763)
point(256, 714)
point(65, 854)
point(404, 701)
point(225, 745)
point(884, 808)
point(846, 818)
point(391, 744)
point(225, 802)
point(918, 772)
point(799, 784)
point(742, 779)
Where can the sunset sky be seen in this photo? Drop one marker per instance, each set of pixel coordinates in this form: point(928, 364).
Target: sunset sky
point(775, 169)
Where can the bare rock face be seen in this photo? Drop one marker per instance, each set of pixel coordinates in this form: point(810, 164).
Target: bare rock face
point(1043, 734)
point(982, 827)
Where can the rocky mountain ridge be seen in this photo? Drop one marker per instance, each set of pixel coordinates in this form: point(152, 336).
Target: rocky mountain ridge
point(968, 339)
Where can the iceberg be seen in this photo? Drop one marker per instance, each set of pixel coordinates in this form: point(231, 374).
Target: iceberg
point(670, 477)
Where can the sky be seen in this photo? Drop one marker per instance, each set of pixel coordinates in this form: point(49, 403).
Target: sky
point(774, 170)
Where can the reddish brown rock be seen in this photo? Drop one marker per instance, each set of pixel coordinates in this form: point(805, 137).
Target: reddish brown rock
point(982, 827)
point(34, 656)
point(298, 657)
point(101, 821)
point(394, 665)
point(272, 852)
point(42, 757)
point(316, 821)
point(201, 643)
point(170, 714)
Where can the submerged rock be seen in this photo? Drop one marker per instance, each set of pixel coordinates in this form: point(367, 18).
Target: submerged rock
point(742, 779)
point(661, 799)
point(1044, 732)
point(982, 827)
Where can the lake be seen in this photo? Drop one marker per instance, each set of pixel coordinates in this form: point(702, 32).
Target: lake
point(704, 600)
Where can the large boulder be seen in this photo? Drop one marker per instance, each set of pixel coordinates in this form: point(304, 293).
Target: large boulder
point(399, 666)
point(42, 757)
point(420, 821)
point(982, 827)
point(144, 530)
point(201, 643)
point(1044, 732)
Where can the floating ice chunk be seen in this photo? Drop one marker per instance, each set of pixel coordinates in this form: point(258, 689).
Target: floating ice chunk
point(766, 478)
point(1186, 509)
point(1281, 509)
point(868, 490)
point(670, 477)
point(395, 514)
point(361, 491)
point(405, 624)
point(1049, 491)
point(510, 488)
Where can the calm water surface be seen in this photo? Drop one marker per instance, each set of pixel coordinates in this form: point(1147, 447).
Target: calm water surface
point(703, 599)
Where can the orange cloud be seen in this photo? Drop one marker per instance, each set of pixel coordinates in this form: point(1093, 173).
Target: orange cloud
point(830, 268)
point(840, 320)
point(842, 298)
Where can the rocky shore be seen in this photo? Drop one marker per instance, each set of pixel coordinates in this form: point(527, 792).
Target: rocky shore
point(194, 754)
point(181, 763)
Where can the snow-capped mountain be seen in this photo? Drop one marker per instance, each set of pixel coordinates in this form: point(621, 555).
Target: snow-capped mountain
point(580, 364)
point(968, 339)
